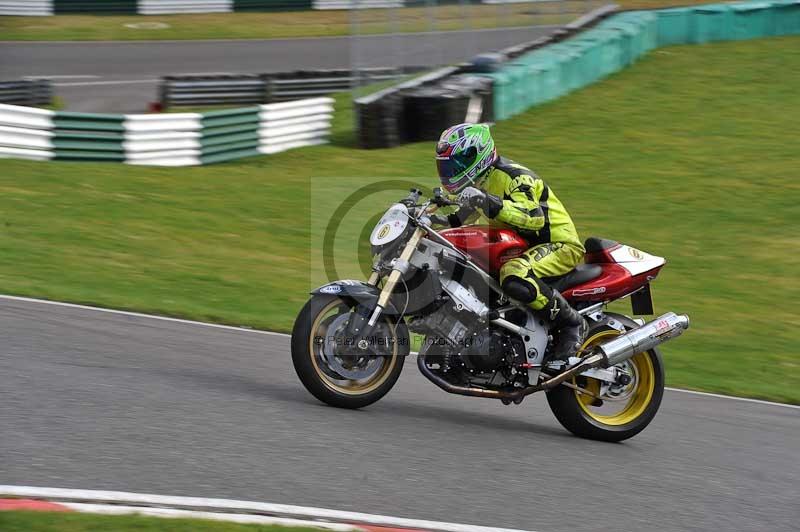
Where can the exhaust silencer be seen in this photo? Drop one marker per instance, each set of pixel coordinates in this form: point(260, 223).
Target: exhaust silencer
point(644, 338)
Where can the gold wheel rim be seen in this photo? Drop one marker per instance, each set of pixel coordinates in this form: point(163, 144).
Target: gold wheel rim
point(352, 387)
point(639, 398)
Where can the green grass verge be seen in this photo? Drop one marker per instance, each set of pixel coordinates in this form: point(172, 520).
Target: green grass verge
point(690, 155)
point(275, 25)
point(17, 521)
point(295, 24)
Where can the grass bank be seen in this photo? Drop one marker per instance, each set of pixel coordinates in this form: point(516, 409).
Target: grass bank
point(295, 24)
point(689, 155)
point(18, 521)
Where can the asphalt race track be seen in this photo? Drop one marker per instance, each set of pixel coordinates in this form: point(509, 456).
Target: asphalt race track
point(123, 76)
point(106, 401)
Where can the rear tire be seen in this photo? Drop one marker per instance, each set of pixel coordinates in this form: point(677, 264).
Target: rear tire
point(309, 342)
point(575, 412)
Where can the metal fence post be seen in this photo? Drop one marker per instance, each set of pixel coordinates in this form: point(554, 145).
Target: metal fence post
point(355, 30)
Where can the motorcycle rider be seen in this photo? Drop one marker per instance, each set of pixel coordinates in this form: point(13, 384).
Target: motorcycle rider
point(510, 195)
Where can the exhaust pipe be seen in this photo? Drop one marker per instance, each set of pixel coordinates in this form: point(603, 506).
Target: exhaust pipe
point(644, 338)
point(620, 349)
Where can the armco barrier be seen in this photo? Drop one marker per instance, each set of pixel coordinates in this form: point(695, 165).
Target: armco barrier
point(551, 71)
point(272, 5)
point(357, 4)
point(267, 88)
point(163, 140)
point(31, 8)
point(95, 7)
point(288, 86)
point(178, 91)
point(293, 124)
point(26, 92)
point(161, 7)
point(181, 139)
point(88, 136)
point(147, 7)
point(230, 134)
point(26, 132)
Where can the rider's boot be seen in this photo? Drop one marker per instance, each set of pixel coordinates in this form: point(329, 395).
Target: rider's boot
point(568, 327)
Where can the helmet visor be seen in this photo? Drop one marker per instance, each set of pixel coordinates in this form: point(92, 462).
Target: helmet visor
point(454, 165)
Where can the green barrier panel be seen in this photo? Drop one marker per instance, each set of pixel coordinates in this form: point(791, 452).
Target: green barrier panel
point(515, 97)
point(547, 73)
point(88, 122)
point(751, 20)
point(626, 44)
point(272, 5)
point(712, 23)
point(209, 132)
point(500, 82)
point(231, 117)
point(87, 145)
point(675, 26)
point(568, 75)
point(551, 80)
point(229, 134)
point(88, 155)
point(786, 17)
point(212, 143)
point(248, 144)
point(95, 7)
point(646, 24)
point(228, 156)
point(605, 53)
point(88, 136)
point(548, 70)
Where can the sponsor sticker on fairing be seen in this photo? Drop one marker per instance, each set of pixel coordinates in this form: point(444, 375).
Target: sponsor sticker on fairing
point(331, 289)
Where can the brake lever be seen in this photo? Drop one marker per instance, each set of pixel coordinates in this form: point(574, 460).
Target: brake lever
point(440, 200)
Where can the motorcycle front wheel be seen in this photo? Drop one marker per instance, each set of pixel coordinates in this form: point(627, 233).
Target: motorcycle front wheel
point(332, 368)
point(621, 411)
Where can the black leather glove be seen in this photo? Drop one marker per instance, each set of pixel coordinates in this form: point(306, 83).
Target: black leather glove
point(438, 219)
point(472, 197)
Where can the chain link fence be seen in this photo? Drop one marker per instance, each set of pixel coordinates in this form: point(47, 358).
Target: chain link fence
point(435, 33)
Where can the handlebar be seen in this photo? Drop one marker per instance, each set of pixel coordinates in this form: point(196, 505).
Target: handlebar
point(440, 199)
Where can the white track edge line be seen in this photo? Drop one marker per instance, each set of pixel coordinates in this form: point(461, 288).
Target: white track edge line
point(273, 333)
point(733, 397)
point(214, 505)
point(141, 315)
point(114, 509)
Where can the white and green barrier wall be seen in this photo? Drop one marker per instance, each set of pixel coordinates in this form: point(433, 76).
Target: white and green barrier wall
point(557, 69)
point(180, 139)
point(163, 7)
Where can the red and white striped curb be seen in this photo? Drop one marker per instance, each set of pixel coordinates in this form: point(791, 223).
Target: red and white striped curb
point(119, 503)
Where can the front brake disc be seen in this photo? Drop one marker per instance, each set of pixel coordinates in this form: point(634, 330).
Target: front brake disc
point(356, 366)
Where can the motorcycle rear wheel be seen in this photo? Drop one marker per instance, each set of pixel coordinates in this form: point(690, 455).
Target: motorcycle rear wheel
point(341, 375)
point(625, 412)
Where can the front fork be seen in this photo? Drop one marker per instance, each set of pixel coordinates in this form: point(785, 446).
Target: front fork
point(359, 325)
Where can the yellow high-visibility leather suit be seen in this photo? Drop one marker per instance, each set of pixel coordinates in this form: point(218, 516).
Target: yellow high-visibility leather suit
point(519, 199)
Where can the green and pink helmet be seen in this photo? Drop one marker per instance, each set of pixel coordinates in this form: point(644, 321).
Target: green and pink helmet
point(463, 155)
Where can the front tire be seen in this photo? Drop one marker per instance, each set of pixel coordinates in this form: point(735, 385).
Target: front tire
point(341, 375)
point(625, 412)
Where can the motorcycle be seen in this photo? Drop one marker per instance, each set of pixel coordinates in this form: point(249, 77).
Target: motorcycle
point(351, 339)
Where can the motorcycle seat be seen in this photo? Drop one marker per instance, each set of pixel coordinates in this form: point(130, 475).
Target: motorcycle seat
point(594, 244)
point(582, 273)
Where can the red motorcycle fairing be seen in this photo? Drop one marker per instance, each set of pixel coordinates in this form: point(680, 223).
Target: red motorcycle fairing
point(490, 247)
point(624, 270)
